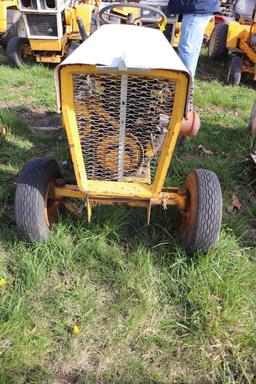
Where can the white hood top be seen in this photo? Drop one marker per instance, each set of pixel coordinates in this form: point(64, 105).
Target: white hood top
point(125, 46)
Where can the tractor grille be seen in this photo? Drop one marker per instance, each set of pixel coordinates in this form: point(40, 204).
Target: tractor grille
point(42, 25)
point(122, 122)
point(226, 10)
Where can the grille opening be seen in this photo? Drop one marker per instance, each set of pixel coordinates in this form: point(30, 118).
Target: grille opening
point(122, 122)
point(32, 4)
point(226, 9)
point(42, 25)
point(50, 4)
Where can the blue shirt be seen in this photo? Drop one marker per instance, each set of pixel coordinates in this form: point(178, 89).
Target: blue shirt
point(180, 7)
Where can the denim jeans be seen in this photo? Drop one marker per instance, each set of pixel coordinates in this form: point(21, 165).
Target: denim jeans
point(192, 34)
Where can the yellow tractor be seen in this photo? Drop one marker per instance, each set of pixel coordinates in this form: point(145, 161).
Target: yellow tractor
point(52, 29)
point(11, 24)
point(123, 109)
point(238, 37)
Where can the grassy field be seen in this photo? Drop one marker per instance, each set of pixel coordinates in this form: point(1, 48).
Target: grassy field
point(146, 312)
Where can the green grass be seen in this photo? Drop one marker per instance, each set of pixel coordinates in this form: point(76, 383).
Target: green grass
point(146, 312)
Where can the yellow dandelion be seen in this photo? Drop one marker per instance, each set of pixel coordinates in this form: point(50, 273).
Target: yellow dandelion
point(2, 282)
point(76, 330)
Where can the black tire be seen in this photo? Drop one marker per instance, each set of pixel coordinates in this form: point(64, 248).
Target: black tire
point(235, 71)
point(73, 46)
point(12, 32)
point(201, 220)
point(15, 51)
point(31, 197)
point(217, 49)
point(13, 17)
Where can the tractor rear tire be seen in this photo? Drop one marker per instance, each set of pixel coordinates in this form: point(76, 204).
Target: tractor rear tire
point(34, 210)
point(15, 51)
point(73, 46)
point(235, 71)
point(217, 49)
point(13, 20)
point(201, 219)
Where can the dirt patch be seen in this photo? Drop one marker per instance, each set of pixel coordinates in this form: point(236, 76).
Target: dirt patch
point(40, 119)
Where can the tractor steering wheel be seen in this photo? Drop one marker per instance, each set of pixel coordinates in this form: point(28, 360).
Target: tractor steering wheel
point(104, 14)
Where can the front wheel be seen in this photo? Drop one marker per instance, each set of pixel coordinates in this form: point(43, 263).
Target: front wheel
point(201, 219)
point(35, 209)
point(18, 51)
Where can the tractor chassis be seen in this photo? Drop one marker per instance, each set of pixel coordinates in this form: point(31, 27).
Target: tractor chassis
point(60, 191)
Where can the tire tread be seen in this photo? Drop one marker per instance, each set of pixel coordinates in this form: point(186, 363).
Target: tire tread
point(30, 196)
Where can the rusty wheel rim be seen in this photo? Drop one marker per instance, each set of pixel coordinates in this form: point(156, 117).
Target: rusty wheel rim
point(25, 52)
point(189, 214)
point(51, 205)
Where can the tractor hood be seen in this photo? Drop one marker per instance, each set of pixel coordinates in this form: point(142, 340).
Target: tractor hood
point(125, 47)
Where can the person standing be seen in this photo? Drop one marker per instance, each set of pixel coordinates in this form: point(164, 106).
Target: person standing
point(196, 14)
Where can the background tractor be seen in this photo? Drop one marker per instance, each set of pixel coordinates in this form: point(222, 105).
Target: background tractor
point(123, 110)
point(52, 29)
point(239, 37)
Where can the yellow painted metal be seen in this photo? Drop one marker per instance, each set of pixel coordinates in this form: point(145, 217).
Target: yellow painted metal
point(251, 54)
point(162, 24)
point(68, 16)
point(176, 37)
point(112, 188)
point(209, 28)
point(46, 45)
point(70, 124)
point(48, 59)
point(238, 38)
point(85, 12)
point(172, 134)
point(120, 189)
point(4, 5)
point(103, 196)
point(235, 31)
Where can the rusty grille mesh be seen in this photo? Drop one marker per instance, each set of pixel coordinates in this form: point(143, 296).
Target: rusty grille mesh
point(122, 121)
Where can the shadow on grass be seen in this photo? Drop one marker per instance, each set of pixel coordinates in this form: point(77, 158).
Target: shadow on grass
point(209, 70)
point(39, 373)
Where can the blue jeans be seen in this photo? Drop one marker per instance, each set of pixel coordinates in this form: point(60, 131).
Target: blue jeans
point(192, 34)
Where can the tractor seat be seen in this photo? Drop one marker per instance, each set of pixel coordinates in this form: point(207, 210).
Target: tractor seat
point(243, 9)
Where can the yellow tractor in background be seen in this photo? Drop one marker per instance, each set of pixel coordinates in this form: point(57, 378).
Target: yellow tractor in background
point(11, 23)
point(239, 38)
point(53, 28)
